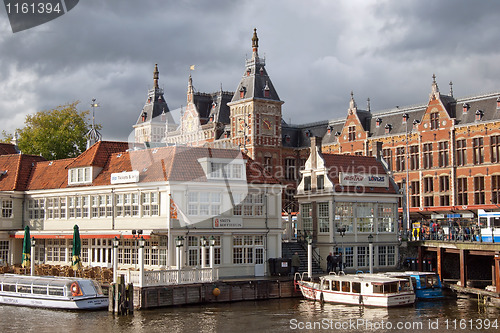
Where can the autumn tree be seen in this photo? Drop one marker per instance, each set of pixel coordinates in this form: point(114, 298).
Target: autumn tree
point(55, 134)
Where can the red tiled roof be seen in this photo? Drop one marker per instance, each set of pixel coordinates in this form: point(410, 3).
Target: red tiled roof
point(175, 163)
point(16, 170)
point(98, 154)
point(50, 175)
point(336, 163)
point(7, 149)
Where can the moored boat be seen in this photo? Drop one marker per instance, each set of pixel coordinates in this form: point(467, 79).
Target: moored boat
point(427, 285)
point(52, 292)
point(359, 289)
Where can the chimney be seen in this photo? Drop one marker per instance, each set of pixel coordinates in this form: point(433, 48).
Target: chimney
point(315, 147)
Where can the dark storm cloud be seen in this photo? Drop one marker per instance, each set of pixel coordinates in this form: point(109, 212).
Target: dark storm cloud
point(316, 53)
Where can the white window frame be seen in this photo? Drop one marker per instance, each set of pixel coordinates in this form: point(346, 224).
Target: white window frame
point(77, 176)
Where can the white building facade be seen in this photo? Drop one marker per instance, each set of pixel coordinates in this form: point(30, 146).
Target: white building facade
point(344, 201)
point(159, 195)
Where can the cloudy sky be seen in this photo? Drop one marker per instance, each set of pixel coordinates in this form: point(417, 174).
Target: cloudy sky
point(316, 53)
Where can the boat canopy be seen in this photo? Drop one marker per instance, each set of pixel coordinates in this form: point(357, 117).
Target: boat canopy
point(36, 280)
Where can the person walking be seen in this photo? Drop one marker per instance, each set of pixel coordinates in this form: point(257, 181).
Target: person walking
point(329, 263)
point(295, 263)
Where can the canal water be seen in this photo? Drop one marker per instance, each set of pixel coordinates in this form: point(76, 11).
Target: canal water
point(283, 315)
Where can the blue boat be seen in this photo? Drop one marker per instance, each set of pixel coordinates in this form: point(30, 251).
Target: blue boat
point(427, 285)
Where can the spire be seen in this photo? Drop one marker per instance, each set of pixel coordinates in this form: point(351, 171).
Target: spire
point(368, 104)
point(255, 44)
point(434, 89)
point(190, 91)
point(352, 102)
point(93, 135)
point(156, 76)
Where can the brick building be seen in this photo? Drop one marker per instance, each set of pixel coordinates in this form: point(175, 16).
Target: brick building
point(447, 148)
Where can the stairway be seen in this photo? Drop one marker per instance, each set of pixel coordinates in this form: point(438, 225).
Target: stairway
point(289, 248)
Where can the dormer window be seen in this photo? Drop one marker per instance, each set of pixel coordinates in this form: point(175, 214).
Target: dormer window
point(379, 122)
point(307, 133)
point(466, 107)
point(249, 71)
point(329, 129)
point(388, 128)
point(406, 116)
point(498, 103)
point(261, 71)
point(267, 91)
point(144, 116)
point(78, 176)
point(415, 124)
point(242, 92)
point(227, 170)
point(479, 114)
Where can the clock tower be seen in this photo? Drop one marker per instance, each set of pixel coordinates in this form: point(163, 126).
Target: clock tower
point(255, 113)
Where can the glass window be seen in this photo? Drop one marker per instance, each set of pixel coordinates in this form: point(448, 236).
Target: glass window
point(306, 213)
point(323, 217)
point(364, 213)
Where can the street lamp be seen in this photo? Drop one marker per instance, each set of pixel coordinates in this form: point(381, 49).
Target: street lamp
point(309, 256)
point(211, 242)
point(406, 166)
point(179, 242)
point(32, 265)
point(116, 243)
point(136, 234)
point(370, 241)
point(141, 242)
point(341, 231)
point(203, 242)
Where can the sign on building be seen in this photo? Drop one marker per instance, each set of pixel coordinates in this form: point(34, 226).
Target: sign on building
point(125, 177)
point(228, 222)
point(357, 179)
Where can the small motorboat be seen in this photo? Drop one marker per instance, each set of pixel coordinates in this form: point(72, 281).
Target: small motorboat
point(52, 292)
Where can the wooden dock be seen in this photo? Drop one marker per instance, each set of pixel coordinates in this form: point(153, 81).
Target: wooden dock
point(230, 290)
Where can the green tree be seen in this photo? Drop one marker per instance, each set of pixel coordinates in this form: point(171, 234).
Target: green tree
point(7, 137)
point(55, 134)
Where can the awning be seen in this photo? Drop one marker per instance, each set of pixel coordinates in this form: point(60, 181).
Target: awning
point(68, 234)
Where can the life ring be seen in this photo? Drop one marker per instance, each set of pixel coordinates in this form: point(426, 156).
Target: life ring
point(75, 289)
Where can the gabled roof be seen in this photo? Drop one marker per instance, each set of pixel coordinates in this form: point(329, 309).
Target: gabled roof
point(15, 171)
point(173, 163)
point(176, 163)
point(98, 154)
point(355, 164)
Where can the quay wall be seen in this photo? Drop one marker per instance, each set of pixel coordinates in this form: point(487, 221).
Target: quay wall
point(213, 292)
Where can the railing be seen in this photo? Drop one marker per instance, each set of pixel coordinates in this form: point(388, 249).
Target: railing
point(301, 239)
point(170, 276)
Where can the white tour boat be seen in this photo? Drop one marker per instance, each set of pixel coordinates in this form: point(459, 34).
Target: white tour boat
point(51, 292)
point(359, 289)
